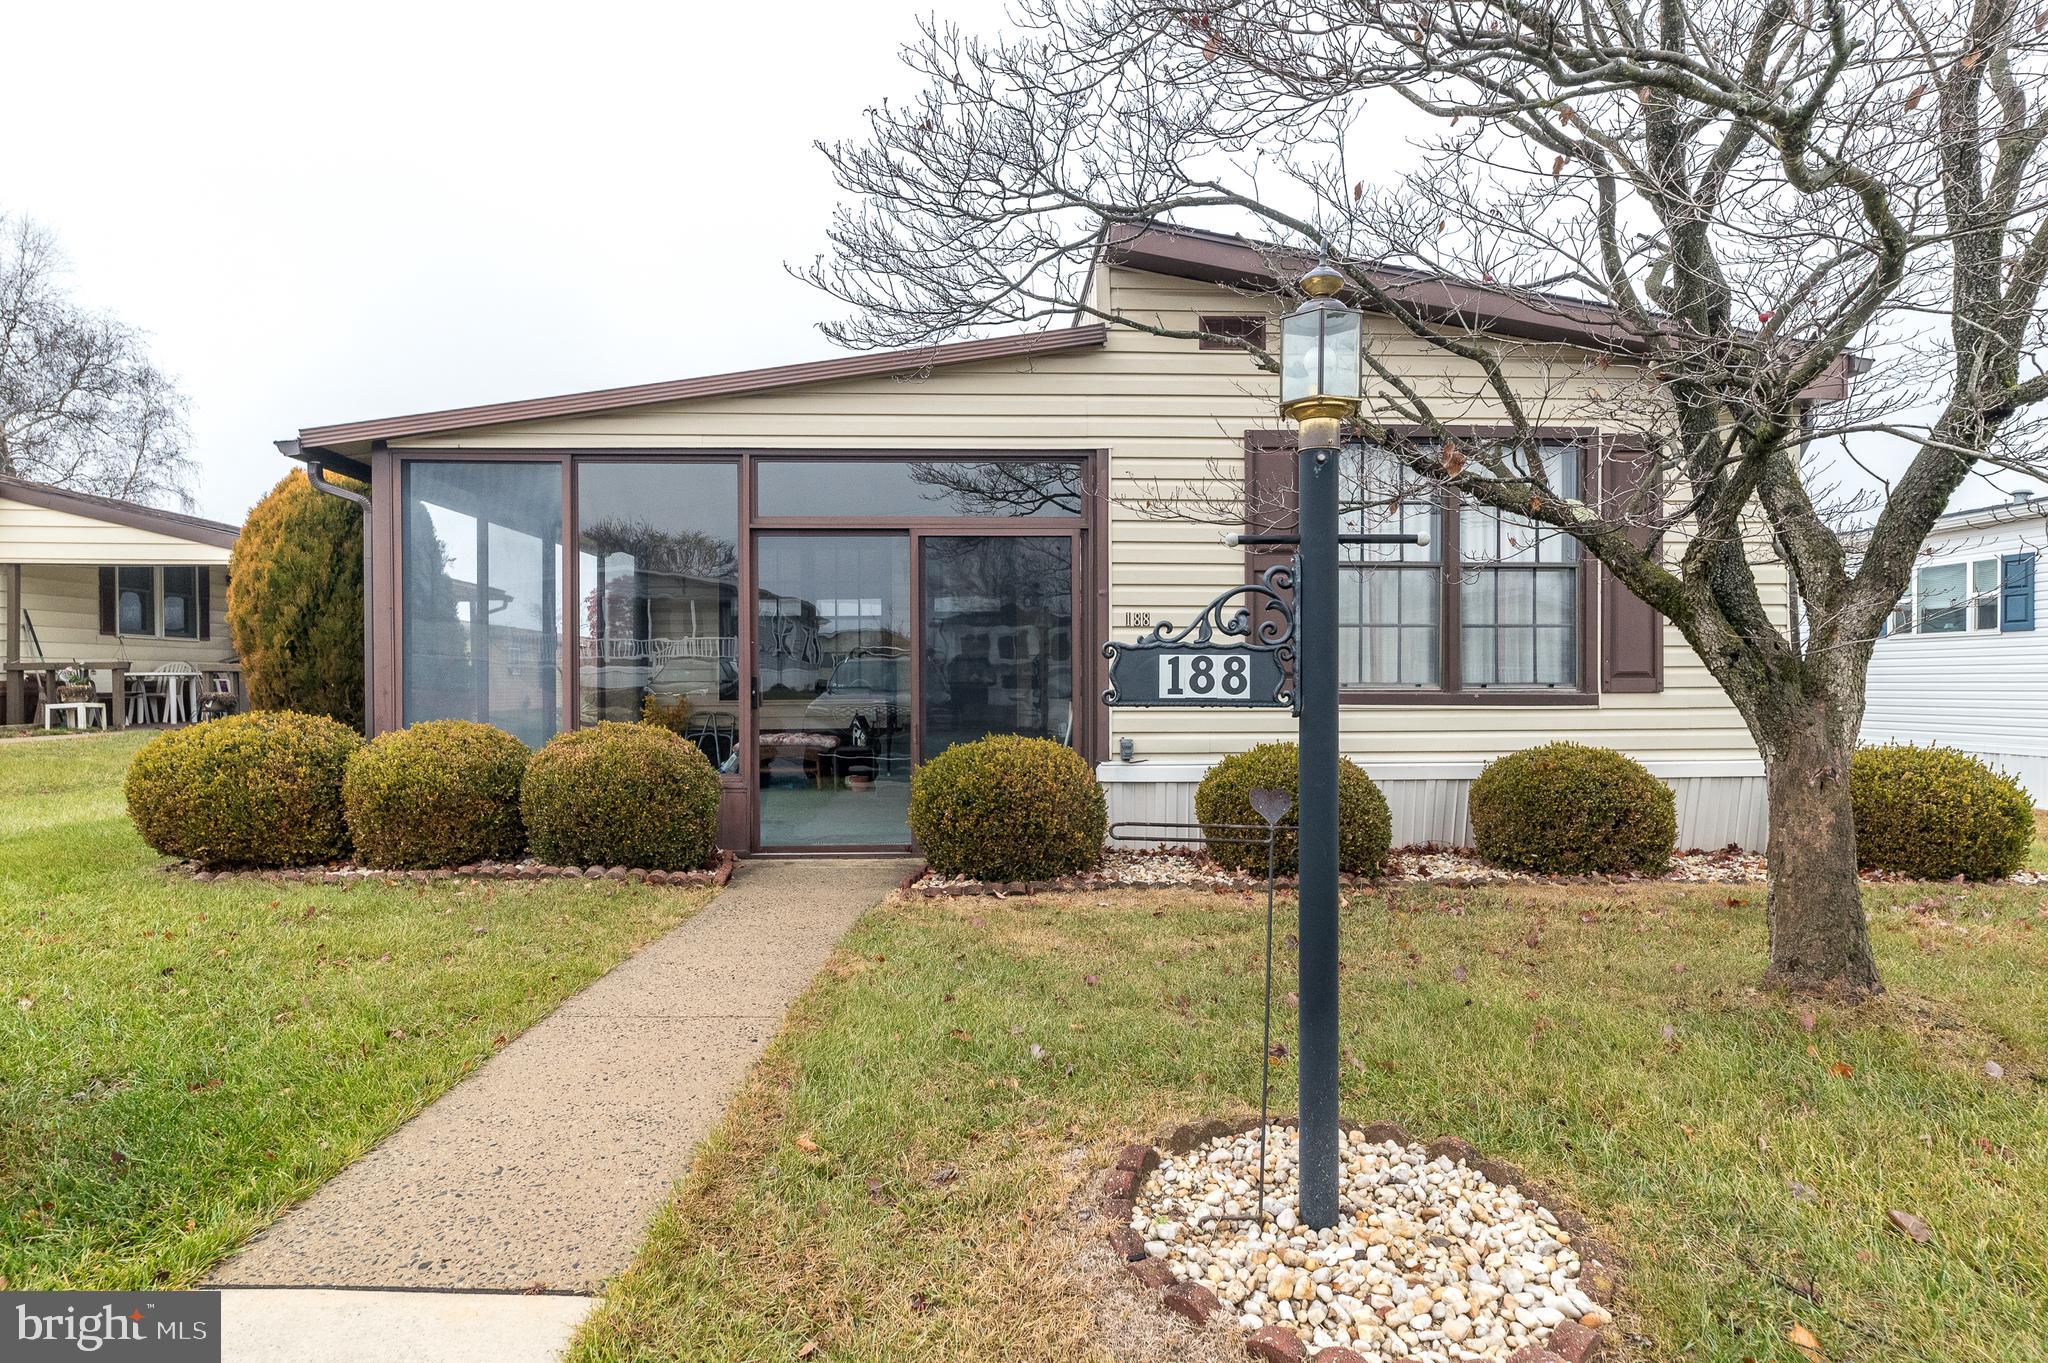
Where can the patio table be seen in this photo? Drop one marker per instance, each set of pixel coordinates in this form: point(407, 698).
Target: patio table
point(18, 670)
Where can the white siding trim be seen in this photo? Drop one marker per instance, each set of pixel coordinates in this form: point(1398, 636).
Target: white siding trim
point(1718, 803)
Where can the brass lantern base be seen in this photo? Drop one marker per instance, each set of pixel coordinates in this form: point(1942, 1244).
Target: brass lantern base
point(1320, 419)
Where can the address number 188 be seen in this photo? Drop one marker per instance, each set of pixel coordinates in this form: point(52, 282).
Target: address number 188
point(1208, 674)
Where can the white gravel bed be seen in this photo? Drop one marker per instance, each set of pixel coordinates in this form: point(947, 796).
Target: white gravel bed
point(1428, 1261)
point(1171, 866)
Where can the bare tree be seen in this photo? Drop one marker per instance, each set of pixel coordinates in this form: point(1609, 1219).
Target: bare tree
point(1743, 202)
point(81, 406)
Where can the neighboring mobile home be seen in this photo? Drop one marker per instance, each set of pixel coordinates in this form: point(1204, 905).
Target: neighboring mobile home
point(100, 581)
point(1961, 655)
point(832, 570)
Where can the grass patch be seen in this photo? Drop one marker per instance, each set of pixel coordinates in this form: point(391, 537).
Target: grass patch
point(180, 1062)
point(892, 1181)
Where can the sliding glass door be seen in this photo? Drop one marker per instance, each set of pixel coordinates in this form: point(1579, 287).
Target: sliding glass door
point(833, 662)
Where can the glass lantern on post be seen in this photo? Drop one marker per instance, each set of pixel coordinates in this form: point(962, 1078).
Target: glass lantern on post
point(1319, 359)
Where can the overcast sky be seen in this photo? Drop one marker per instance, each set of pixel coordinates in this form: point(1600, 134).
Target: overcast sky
point(334, 212)
point(324, 214)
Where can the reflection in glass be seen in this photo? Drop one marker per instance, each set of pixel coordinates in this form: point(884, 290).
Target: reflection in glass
point(919, 487)
point(658, 570)
point(998, 638)
point(833, 669)
point(483, 558)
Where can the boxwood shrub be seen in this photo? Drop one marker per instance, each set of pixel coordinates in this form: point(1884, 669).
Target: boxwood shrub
point(1364, 824)
point(1935, 813)
point(621, 795)
point(1569, 809)
point(1008, 808)
point(260, 789)
point(441, 793)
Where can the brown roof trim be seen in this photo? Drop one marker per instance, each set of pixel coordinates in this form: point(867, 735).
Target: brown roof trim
point(712, 385)
point(1217, 258)
point(114, 511)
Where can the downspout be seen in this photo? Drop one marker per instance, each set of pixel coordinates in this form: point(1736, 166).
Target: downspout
point(316, 474)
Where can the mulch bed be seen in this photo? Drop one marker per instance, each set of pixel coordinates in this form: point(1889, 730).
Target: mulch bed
point(348, 873)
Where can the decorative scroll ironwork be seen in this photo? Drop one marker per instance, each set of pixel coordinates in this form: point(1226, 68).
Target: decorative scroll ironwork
point(1255, 616)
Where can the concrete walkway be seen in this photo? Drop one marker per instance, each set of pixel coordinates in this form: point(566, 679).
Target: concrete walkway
point(542, 1169)
point(312, 1325)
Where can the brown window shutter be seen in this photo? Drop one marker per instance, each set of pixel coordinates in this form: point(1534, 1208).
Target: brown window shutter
point(1631, 631)
point(205, 576)
point(110, 605)
point(1270, 507)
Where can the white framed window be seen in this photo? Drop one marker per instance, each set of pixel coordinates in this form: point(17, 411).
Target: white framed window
point(1959, 597)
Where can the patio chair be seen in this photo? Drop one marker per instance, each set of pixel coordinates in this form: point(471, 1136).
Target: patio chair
point(174, 678)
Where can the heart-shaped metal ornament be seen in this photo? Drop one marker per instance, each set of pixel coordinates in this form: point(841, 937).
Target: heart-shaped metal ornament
point(1271, 805)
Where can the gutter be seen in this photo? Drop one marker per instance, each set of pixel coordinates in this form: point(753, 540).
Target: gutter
point(316, 472)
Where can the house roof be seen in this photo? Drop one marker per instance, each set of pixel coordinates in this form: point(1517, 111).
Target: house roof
point(712, 385)
point(1239, 262)
point(1160, 248)
point(115, 511)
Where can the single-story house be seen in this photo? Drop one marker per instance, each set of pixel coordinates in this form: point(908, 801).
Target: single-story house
point(825, 572)
point(113, 585)
point(1961, 647)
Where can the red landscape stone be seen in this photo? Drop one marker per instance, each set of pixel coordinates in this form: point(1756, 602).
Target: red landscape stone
point(1337, 1354)
point(1127, 1243)
point(1574, 1343)
point(1192, 1300)
point(1153, 1272)
point(1275, 1344)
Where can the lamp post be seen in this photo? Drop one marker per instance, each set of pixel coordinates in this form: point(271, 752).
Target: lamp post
point(1319, 387)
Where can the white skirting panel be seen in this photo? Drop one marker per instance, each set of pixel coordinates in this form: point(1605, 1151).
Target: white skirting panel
point(2030, 771)
point(1718, 803)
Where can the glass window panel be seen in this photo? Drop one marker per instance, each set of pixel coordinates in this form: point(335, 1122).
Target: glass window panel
point(1419, 655)
point(137, 598)
point(658, 572)
point(1556, 656)
point(1984, 578)
point(1476, 598)
point(181, 603)
point(998, 638)
point(1517, 660)
point(918, 487)
point(1477, 650)
point(1418, 598)
point(1379, 496)
point(1517, 602)
point(1556, 597)
point(1943, 590)
point(482, 589)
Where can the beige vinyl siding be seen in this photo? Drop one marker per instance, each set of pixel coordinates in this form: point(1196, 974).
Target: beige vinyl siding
point(36, 534)
point(64, 606)
point(1172, 414)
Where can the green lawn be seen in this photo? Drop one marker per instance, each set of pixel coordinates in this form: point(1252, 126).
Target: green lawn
point(180, 1062)
point(895, 1180)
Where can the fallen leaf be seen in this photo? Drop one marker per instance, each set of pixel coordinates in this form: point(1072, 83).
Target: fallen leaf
point(1911, 1226)
point(1460, 974)
point(1670, 1032)
point(810, 1346)
point(1807, 1020)
point(959, 1035)
point(1800, 1192)
point(1993, 1070)
point(806, 1144)
point(1841, 1069)
point(1802, 1339)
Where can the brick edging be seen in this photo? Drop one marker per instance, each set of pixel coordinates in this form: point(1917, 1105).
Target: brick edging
point(348, 873)
point(1570, 1342)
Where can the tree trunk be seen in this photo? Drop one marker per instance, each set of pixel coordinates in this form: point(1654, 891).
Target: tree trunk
point(1819, 938)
